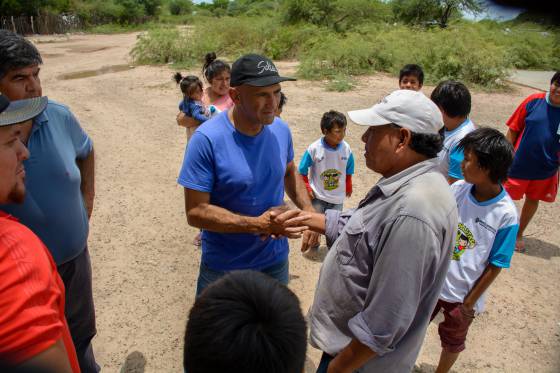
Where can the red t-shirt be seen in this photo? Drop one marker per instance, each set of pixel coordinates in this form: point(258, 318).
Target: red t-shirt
point(31, 296)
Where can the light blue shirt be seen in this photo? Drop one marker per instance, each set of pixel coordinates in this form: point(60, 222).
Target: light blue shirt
point(54, 207)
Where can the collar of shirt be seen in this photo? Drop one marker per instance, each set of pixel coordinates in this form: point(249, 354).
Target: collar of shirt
point(7, 216)
point(40, 120)
point(388, 186)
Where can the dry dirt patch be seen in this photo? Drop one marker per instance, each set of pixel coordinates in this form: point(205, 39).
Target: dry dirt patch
point(145, 267)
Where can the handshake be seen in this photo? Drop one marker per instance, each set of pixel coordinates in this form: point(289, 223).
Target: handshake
point(283, 221)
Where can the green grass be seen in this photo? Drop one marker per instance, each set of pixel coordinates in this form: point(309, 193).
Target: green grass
point(479, 54)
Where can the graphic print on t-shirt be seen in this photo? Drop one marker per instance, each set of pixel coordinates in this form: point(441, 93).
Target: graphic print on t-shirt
point(331, 178)
point(464, 240)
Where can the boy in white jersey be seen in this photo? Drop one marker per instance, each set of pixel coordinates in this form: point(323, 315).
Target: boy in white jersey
point(485, 242)
point(331, 165)
point(454, 102)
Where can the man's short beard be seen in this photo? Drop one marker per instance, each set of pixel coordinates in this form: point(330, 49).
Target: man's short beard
point(17, 195)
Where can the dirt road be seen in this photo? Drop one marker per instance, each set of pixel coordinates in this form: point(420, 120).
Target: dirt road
point(144, 265)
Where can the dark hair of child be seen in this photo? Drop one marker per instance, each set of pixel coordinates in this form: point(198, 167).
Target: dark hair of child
point(212, 66)
point(245, 321)
point(189, 84)
point(452, 97)
point(331, 119)
point(283, 101)
point(414, 70)
point(555, 78)
point(493, 151)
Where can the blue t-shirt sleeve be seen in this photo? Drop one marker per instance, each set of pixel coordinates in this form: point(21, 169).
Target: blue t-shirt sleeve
point(197, 172)
point(456, 156)
point(183, 107)
point(305, 163)
point(81, 141)
point(350, 165)
point(503, 247)
point(290, 148)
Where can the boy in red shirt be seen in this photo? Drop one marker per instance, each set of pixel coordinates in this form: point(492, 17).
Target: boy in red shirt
point(534, 130)
point(33, 329)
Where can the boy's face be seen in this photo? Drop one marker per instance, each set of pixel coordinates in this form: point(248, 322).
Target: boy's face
point(472, 172)
point(410, 82)
point(335, 135)
point(555, 93)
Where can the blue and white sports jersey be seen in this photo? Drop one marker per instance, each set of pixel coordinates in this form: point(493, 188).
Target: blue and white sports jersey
point(450, 157)
point(486, 235)
point(329, 168)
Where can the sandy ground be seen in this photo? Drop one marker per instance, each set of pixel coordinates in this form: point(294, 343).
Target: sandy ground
point(145, 267)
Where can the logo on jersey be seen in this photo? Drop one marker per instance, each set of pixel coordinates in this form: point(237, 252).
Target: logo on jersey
point(331, 179)
point(463, 241)
point(484, 225)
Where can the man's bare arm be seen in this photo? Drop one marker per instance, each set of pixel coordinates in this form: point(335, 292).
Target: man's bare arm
point(202, 214)
point(53, 359)
point(87, 186)
point(184, 121)
point(352, 357)
point(512, 136)
point(295, 188)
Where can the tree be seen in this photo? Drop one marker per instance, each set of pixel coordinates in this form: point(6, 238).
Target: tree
point(439, 12)
point(338, 14)
point(177, 7)
point(32, 7)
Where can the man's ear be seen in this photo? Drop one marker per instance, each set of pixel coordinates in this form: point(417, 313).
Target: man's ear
point(234, 95)
point(405, 137)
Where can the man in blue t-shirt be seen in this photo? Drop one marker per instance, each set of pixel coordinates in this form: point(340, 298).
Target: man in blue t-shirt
point(60, 188)
point(235, 171)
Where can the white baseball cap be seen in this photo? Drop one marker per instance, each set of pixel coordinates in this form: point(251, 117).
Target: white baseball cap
point(405, 108)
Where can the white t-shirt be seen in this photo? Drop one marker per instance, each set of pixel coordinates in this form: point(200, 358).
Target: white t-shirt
point(486, 235)
point(329, 168)
point(450, 157)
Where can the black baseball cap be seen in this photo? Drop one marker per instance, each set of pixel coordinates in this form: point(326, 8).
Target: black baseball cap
point(255, 70)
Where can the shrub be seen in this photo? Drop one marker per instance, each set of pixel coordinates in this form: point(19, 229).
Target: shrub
point(340, 84)
point(177, 7)
point(476, 53)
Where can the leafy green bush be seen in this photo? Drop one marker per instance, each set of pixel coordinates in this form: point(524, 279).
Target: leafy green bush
point(161, 45)
point(337, 15)
point(443, 54)
point(476, 53)
point(177, 7)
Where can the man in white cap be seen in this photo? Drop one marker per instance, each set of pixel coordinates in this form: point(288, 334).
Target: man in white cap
point(389, 256)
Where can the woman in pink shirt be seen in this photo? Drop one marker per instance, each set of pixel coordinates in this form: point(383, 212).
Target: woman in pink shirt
point(217, 74)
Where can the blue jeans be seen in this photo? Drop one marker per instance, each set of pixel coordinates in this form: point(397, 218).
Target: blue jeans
point(206, 276)
point(324, 364)
point(322, 206)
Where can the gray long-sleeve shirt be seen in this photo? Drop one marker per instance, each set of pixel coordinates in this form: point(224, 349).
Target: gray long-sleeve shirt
point(384, 271)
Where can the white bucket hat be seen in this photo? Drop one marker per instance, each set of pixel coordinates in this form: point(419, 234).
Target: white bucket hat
point(21, 110)
point(405, 108)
